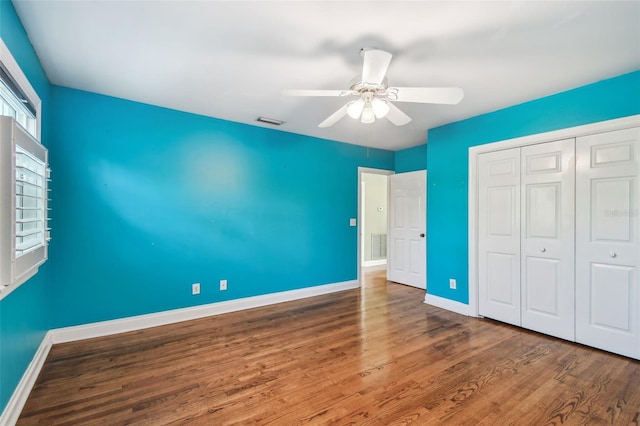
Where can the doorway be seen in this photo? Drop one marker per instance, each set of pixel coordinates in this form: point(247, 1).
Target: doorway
point(373, 194)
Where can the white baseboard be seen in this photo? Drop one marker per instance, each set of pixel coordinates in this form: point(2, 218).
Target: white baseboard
point(449, 305)
point(105, 328)
point(379, 262)
point(68, 334)
point(21, 393)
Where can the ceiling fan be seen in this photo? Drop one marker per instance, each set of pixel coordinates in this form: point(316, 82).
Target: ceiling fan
point(375, 97)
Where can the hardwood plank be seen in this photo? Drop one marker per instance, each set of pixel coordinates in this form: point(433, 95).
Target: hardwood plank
point(373, 356)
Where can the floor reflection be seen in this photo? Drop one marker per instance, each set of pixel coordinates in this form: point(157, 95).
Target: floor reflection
point(374, 327)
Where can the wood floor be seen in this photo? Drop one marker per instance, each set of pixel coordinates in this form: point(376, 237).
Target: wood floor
point(375, 356)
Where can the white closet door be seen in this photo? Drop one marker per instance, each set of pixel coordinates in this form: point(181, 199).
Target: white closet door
point(547, 244)
point(607, 241)
point(499, 235)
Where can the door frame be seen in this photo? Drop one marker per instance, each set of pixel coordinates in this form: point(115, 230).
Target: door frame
point(475, 151)
point(360, 227)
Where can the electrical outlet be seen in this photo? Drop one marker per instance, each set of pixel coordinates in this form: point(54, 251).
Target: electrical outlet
point(223, 285)
point(195, 288)
point(452, 283)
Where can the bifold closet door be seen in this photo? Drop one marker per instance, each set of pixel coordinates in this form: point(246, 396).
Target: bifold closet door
point(607, 241)
point(547, 239)
point(499, 235)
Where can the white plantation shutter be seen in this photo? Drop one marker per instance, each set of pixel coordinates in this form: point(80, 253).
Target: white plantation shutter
point(24, 177)
point(23, 195)
point(30, 202)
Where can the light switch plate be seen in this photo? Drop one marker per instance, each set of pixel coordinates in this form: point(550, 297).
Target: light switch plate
point(352, 221)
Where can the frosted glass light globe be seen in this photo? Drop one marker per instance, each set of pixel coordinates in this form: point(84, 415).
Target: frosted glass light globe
point(368, 116)
point(380, 108)
point(355, 109)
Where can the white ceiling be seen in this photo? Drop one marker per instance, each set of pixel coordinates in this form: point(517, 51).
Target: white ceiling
point(230, 59)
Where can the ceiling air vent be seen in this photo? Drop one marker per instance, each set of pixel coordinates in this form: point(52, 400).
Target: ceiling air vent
point(272, 121)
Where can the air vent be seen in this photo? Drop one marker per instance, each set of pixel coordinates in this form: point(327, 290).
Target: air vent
point(272, 121)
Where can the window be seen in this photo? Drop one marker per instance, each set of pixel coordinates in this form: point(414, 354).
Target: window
point(24, 175)
point(14, 103)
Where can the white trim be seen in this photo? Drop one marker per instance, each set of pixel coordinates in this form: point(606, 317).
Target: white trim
point(122, 325)
point(360, 228)
point(475, 151)
point(375, 268)
point(362, 223)
point(21, 80)
point(16, 403)
point(448, 304)
point(378, 262)
point(556, 135)
point(472, 211)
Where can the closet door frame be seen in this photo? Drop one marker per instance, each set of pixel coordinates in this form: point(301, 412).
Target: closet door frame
point(475, 151)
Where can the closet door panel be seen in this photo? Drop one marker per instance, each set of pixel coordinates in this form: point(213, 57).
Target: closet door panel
point(547, 238)
point(608, 241)
point(542, 296)
point(499, 235)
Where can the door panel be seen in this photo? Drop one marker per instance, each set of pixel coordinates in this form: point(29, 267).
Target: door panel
point(612, 289)
point(609, 199)
point(614, 154)
point(543, 298)
point(608, 241)
point(547, 236)
point(544, 210)
point(407, 218)
point(543, 163)
point(501, 210)
point(501, 279)
point(499, 235)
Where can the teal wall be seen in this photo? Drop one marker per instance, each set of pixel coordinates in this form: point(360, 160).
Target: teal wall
point(24, 314)
point(448, 164)
point(147, 201)
point(411, 159)
point(150, 200)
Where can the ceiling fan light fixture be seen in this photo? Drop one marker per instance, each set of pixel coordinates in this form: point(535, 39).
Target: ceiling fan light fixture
point(380, 107)
point(355, 109)
point(368, 116)
point(375, 99)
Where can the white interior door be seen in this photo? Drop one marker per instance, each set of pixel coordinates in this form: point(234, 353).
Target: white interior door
point(607, 241)
point(499, 235)
point(547, 238)
point(407, 258)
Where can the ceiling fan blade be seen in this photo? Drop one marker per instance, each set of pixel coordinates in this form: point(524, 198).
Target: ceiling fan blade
point(333, 118)
point(427, 95)
point(304, 92)
point(396, 116)
point(375, 66)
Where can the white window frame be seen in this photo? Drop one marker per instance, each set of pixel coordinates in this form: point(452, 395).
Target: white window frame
point(10, 64)
point(19, 78)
